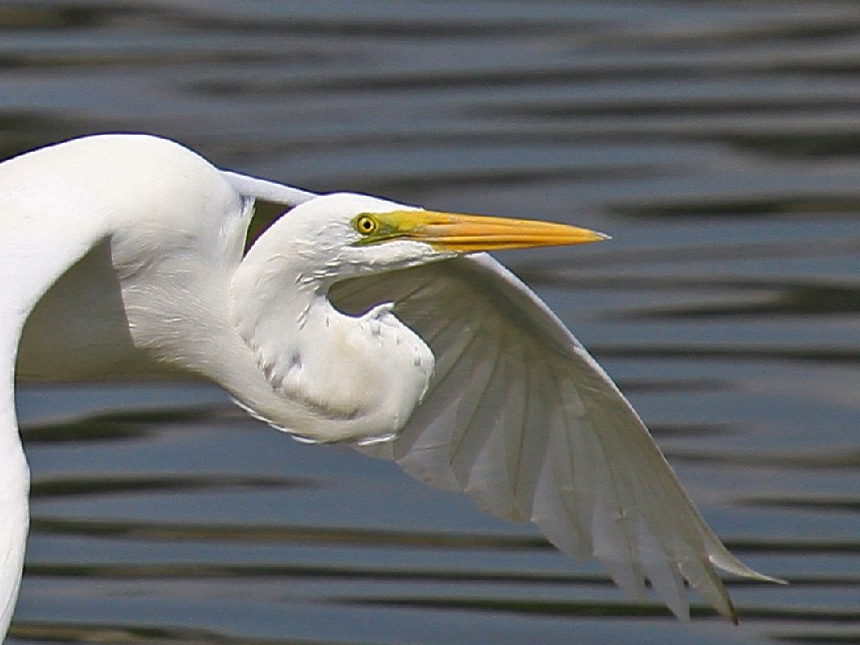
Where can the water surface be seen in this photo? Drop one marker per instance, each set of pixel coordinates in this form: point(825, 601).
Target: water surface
point(715, 141)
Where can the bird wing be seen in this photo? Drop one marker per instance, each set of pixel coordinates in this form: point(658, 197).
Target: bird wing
point(523, 420)
point(267, 190)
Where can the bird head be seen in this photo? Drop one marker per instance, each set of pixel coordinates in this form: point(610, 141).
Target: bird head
point(345, 234)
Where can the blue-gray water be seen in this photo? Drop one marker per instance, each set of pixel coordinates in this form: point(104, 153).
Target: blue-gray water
point(717, 142)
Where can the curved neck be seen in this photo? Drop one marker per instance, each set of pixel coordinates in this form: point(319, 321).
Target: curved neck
point(347, 378)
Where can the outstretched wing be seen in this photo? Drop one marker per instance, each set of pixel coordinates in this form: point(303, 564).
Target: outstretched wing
point(521, 418)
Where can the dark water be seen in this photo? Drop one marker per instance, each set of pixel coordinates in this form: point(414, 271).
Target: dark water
point(718, 142)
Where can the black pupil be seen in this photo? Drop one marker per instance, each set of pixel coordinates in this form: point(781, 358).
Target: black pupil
point(366, 224)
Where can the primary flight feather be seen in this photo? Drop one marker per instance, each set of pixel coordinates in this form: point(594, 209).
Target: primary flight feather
point(351, 319)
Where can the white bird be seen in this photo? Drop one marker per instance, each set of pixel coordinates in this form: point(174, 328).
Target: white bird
point(351, 319)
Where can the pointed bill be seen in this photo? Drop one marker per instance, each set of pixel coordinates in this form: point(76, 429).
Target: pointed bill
point(469, 233)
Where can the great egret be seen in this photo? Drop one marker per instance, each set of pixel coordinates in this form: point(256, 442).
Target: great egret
point(351, 319)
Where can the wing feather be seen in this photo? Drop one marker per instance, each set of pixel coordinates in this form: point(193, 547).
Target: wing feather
point(469, 459)
point(527, 448)
point(523, 420)
point(423, 448)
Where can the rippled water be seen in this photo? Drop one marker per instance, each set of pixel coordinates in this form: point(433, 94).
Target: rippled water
point(716, 141)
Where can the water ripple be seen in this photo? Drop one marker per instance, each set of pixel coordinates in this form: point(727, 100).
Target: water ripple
point(716, 142)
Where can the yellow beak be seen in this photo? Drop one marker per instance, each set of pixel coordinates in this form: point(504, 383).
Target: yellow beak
point(470, 233)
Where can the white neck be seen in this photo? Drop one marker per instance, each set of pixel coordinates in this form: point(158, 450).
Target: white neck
point(154, 293)
point(356, 378)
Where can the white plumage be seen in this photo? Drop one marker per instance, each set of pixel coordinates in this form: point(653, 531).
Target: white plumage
point(351, 319)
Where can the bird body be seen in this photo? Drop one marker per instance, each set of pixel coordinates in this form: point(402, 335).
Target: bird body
point(351, 319)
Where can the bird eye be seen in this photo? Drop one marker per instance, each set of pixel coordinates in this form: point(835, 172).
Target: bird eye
point(365, 224)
